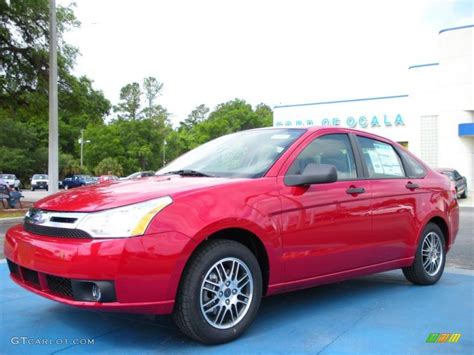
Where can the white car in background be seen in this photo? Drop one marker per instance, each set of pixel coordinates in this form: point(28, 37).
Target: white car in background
point(39, 181)
point(11, 180)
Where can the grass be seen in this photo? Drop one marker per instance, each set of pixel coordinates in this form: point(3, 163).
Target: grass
point(8, 214)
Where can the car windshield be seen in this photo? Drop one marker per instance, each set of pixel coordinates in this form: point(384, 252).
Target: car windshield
point(40, 177)
point(244, 154)
point(8, 176)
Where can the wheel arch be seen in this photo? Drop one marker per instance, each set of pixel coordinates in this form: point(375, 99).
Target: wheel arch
point(243, 236)
point(251, 241)
point(442, 224)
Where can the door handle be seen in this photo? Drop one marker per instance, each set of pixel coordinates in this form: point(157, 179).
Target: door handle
point(411, 186)
point(355, 190)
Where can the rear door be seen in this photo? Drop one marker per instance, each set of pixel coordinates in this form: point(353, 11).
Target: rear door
point(394, 199)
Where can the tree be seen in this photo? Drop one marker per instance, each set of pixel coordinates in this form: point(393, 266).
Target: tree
point(196, 116)
point(129, 106)
point(108, 166)
point(228, 117)
point(24, 32)
point(68, 166)
point(152, 89)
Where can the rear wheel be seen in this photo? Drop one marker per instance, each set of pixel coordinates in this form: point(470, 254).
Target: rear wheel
point(430, 258)
point(32, 189)
point(220, 292)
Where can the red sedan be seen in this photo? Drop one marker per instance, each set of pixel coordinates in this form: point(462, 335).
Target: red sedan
point(246, 215)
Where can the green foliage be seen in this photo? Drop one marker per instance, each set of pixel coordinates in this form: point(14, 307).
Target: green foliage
point(68, 165)
point(108, 166)
point(196, 116)
point(24, 67)
point(229, 117)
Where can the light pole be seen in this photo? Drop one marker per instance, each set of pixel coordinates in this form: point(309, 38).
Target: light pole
point(53, 164)
point(82, 142)
point(164, 152)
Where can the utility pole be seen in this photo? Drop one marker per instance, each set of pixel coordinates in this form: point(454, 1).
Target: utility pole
point(164, 152)
point(53, 165)
point(82, 142)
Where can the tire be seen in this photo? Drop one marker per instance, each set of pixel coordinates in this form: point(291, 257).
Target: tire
point(464, 194)
point(66, 187)
point(432, 271)
point(203, 326)
point(32, 189)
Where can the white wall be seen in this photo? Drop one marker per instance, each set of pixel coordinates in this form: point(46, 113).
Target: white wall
point(457, 104)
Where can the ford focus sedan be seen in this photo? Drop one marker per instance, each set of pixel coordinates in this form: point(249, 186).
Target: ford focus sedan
point(246, 215)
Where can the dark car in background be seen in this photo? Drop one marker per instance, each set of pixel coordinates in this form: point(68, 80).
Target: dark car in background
point(459, 181)
point(77, 181)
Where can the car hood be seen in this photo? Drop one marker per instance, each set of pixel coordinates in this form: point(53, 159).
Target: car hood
point(111, 194)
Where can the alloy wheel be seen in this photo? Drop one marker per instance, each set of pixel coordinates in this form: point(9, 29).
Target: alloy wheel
point(226, 293)
point(432, 253)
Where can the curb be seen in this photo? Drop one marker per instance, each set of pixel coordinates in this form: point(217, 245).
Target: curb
point(11, 219)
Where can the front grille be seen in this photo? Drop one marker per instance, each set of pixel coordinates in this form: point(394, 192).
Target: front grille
point(13, 268)
point(56, 232)
point(60, 285)
point(30, 276)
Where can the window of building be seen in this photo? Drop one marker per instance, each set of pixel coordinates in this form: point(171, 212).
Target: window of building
point(332, 149)
point(381, 159)
point(429, 140)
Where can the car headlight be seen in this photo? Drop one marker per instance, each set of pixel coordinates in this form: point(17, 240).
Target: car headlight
point(127, 221)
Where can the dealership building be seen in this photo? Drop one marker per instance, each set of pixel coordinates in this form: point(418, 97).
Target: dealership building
point(434, 119)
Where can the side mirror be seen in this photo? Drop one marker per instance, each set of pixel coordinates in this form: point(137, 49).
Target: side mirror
point(313, 174)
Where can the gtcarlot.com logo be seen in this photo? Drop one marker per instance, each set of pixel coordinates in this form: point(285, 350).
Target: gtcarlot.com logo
point(24, 340)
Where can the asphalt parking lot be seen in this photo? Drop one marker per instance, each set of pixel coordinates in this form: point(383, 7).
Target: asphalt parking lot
point(381, 313)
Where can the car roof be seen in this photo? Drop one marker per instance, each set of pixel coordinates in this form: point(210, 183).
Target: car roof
point(329, 128)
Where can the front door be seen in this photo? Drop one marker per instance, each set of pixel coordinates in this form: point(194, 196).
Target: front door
point(325, 227)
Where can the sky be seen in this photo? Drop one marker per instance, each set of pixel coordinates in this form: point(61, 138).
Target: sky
point(276, 52)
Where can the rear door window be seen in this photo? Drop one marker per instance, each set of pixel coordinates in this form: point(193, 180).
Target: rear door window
point(381, 159)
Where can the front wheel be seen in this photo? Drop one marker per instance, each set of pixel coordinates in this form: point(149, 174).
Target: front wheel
point(430, 258)
point(464, 194)
point(220, 292)
point(66, 187)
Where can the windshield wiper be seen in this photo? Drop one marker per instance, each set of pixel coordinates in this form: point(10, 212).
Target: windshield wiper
point(187, 172)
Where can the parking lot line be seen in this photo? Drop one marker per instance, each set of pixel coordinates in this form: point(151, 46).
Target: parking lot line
point(382, 313)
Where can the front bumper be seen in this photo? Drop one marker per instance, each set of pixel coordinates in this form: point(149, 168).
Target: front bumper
point(145, 271)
